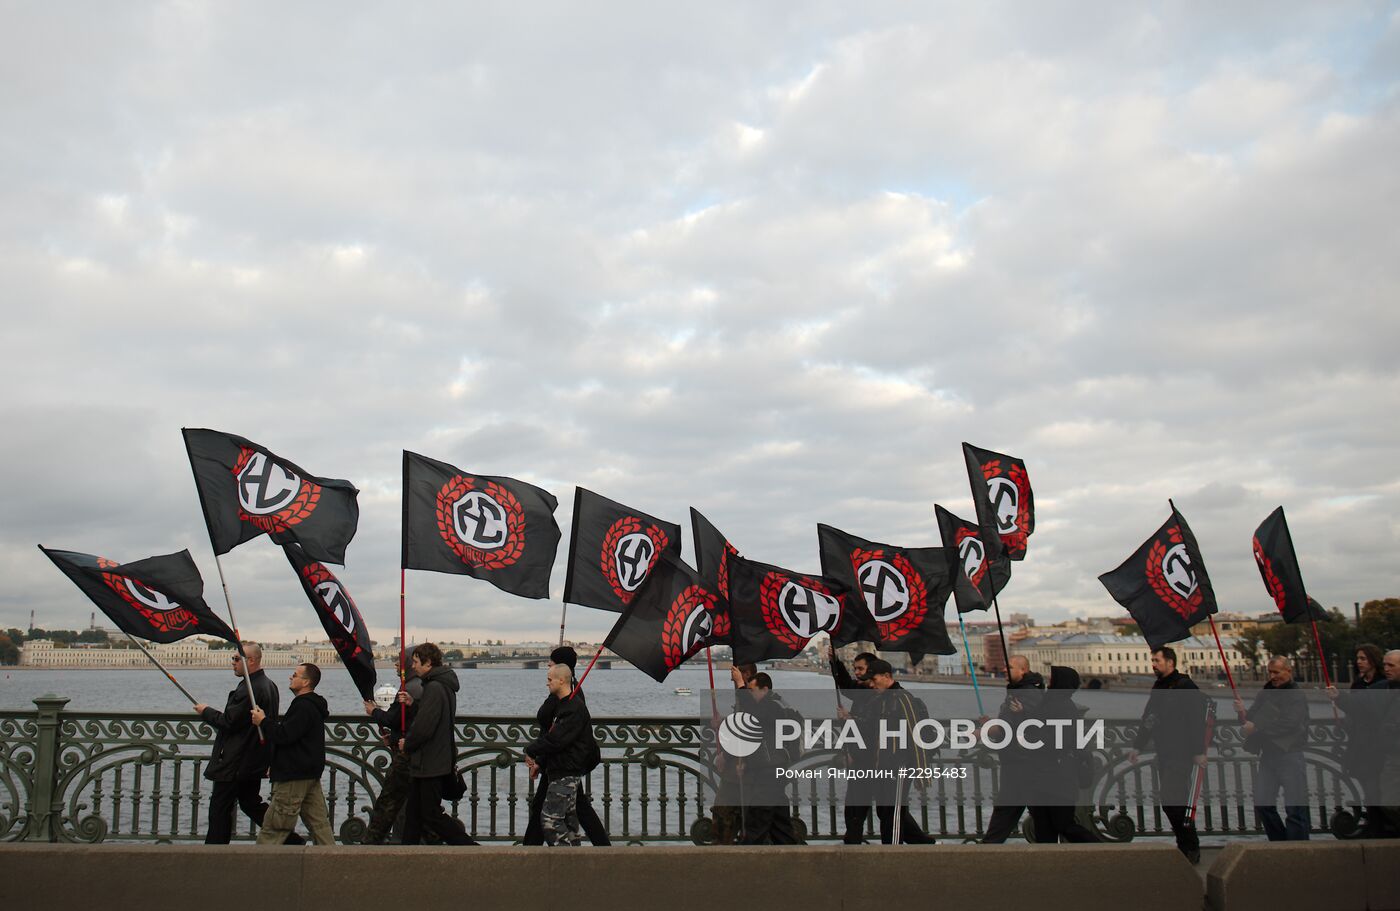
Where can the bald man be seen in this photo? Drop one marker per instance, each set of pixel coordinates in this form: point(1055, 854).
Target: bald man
point(1024, 691)
point(565, 753)
point(1276, 727)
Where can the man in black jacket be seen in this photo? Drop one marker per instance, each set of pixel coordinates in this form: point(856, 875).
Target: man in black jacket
point(1024, 691)
point(1276, 726)
point(767, 817)
point(565, 752)
point(1174, 724)
point(389, 804)
point(583, 807)
point(240, 759)
point(860, 792)
point(893, 708)
point(432, 750)
point(298, 758)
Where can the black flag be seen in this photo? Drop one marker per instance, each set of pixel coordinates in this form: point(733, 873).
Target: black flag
point(1001, 494)
point(160, 599)
point(775, 612)
point(712, 552)
point(612, 549)
point(493, 528)
point(1278, 565)
point(904, 588)
point(1164, 585)
point(674, 615)
point(339, 617)
point(246, 491)
point(977, 579)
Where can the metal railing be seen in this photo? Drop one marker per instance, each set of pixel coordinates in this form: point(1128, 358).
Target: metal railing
point(104, 776)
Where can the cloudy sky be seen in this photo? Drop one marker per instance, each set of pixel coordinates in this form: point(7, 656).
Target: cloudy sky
point(775, 261)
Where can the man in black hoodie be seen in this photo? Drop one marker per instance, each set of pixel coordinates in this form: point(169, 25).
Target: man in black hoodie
point(432, 750)
point(583, 807)
point(240, 759)
point(565, 751)
point(1024, 691)
point(298, 758)
point(1174, 724)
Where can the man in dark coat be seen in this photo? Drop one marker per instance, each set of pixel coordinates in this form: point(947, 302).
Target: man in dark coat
point(240, 759)
point(1024, 691)
point(298, 741)
point(1061, 765)
point(860, 792)
point(728, 811)
point(564, 752)
point(767, 816)
point(1276, 726)
point(583, 807)
point(1174, 724)
point(893, 708)
point(432, 751)
point(389, 804)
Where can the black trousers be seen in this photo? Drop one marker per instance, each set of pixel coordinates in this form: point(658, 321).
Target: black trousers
point(1002, 824)
point(1174, 786)
point(769, 826)
point(246, 794)
point(1053, 824)
point(588, 819)
point(424, 811)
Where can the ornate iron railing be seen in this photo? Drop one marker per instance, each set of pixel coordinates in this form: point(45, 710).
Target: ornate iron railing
point(98, 776)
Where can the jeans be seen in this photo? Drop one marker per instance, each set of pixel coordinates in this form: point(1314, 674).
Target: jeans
point(1289, 772)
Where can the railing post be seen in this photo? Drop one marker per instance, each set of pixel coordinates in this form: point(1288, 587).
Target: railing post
point(43, 809)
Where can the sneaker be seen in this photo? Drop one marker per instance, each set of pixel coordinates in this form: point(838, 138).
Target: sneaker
point(1193, 856)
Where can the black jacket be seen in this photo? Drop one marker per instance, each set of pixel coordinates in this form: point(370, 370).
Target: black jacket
point(895, 709)
point(1030, 692)
point(299, 739)
point(237, 753)
point(1174, 720)
point(1280, 716)
point(567, 745)
point(1363, 706)
point(431, 743)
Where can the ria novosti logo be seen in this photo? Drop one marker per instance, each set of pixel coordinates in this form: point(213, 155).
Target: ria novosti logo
point(740, 734)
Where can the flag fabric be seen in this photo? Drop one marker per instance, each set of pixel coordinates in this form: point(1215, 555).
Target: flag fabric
point(611, 551)
point(674, 614)
point(339, 616)
point(1164, 584)
point(1001, 494)
point(904, 588)
point(160, 599)
point(246, 490)
point(1278, 566)
point(712, 553)
point(492, 528)
point(775, 612)
point(977, 579)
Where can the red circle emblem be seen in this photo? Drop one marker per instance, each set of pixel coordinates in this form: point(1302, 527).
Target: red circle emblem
point(498, 558)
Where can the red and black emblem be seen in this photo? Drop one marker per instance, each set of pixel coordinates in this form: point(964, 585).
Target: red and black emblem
point(694, 619)
point(161, 612)
point(484, 524)
point(722, 576)
point(630, 550)
point(334, 601)
point(1271, 580)
point(271, 496)
point(972, 555)
point(894, 591)
point(796, 608)
point(1171, 576)
point(1009, 491)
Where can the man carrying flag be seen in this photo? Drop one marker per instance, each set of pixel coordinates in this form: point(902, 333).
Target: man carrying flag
point(1174, 724)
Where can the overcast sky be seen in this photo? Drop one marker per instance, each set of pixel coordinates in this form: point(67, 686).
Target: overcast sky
point(774, 261)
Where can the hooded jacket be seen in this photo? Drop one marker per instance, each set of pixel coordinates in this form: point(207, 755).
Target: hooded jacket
point(567, 746)
point(237, 753)
point(431, 744)
point(299, 739)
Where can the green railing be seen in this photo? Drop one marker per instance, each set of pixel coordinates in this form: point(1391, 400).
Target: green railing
point(102, 776)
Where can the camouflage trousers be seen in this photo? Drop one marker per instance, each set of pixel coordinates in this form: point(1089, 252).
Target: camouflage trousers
point(389, 803)
point(559, 815)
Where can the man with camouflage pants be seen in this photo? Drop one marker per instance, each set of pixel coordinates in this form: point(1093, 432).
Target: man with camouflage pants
point(388, 806)
point(566, 752)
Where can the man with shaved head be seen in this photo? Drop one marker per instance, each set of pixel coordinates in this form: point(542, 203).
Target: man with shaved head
point(565, 753)
point(1276, 727)
point(1024, 691)
point(240, 758)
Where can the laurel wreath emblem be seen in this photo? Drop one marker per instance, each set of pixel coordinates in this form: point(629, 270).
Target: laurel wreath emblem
point(504, 556)
point(628, 525)
point(303, 505)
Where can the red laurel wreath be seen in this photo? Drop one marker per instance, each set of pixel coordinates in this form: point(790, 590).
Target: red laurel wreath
point(722, 574)
point(772, 612)
point(1015, 543)
point(694, 598)
point(171, 621)
point(475, 557)
point(976, 578)
point(1156, 577)
point(1271, 581)
point(892, 630)
point(315, 574)
point(628, 525)
point(308, 495)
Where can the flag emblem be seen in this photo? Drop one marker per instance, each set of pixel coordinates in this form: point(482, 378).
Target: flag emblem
point(1271, 579)
point(1170, 574)
point(693, 620)
point(271, 496)
point(795, 611)
point(973, 555)
point(158, 610)
point(483, 526)
point(1009, 496)
point(893, 590)
point(629, 553)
